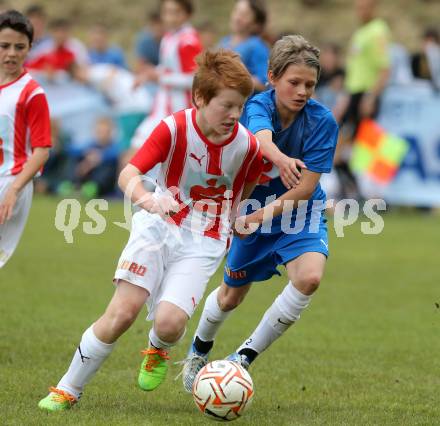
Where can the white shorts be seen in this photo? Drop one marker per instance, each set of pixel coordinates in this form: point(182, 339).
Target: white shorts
point(10, 232)
point(169, 262)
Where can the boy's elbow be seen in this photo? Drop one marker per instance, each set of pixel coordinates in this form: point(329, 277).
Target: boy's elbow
point(128, 173)
point(122, 179)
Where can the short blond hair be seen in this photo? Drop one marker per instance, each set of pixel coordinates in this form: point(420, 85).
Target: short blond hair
point(293, 50)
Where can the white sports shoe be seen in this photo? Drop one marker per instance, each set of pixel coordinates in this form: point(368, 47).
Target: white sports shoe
point(193, 363)
point(239, 359)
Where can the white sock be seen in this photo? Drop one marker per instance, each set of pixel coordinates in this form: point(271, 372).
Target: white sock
point(88, 357)
point(212, 318)
point(285, 310)
point(157, 342)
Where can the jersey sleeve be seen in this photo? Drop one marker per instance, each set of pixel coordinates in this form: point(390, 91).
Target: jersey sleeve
point(38, 119)
point(256, 167)
point(189, 48)
point(319, 147)
point(257, 116)
point(154, 150)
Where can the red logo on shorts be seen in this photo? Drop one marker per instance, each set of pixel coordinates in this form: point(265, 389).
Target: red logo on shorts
point(235, 275)
point(133, 267)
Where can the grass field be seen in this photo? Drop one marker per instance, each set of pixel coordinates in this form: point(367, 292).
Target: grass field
point(365, 353)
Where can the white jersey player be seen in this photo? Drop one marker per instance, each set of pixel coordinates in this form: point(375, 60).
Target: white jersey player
point(174, 74)
point(24, 130)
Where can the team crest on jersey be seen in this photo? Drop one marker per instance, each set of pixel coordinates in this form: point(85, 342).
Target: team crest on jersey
point(207, 188)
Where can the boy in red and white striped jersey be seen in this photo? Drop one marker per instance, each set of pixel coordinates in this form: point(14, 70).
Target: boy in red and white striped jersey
point(207, 162)
point(24, 130)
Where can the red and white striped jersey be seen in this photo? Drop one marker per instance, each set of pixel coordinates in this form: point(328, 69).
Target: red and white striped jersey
point(207, 179)
point(177, 65)
point(24, 123)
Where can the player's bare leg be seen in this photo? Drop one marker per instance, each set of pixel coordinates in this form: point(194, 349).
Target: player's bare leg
point(96, 345)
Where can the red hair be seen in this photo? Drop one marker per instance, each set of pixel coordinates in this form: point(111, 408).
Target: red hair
point(220, 69)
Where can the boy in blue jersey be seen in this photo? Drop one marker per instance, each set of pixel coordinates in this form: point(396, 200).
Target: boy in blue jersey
point(291, 226)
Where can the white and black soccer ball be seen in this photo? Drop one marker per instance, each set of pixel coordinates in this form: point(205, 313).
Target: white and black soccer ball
point(223, 390)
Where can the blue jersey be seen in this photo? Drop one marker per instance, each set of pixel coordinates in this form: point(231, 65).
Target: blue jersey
point(311, 137)
point(114, 55)
point(254, 54)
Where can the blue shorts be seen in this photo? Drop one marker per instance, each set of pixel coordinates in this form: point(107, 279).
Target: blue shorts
point(255, 258)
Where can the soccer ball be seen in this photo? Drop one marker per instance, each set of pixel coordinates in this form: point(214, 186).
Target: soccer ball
point(223, 390)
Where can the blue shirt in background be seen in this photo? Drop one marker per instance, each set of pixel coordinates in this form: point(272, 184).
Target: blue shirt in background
point(113, 55)
point(253, 52)
point(147, 47)
point(109, 153)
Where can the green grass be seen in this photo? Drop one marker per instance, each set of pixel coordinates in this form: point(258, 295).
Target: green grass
point(365, 353)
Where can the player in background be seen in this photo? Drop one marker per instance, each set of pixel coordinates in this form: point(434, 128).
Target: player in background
point(288, 122)
point(174, 74)
point(247, 22)
point(24, 130)
point(208, 162)
point(367, 74)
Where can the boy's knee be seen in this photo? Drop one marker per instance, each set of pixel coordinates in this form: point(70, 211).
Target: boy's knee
point(229, 301)
point(170, 329)
point(123, 317)
point(309, 282)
